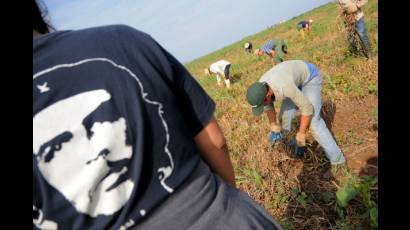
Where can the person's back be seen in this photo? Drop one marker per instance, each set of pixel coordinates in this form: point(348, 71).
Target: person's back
point(303, 23)
point(219, 66)
point(111, 129)
point(269, 45)
point(291, 70)
point(286, 75)
point(114, 121)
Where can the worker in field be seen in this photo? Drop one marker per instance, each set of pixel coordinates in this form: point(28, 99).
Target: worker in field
point(298, 85)
point(220, 68)
point(355, 25)
point(274, 48)
point(248, 47)
point(304, 27)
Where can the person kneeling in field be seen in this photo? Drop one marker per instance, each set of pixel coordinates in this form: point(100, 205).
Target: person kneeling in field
point(219, 68)
point(297, 84)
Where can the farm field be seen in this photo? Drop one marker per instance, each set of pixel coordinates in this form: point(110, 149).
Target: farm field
point(297, 192)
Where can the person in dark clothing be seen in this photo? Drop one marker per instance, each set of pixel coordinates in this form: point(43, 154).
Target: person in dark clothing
point(125, 138)
point(304, 27)
point(248, 47)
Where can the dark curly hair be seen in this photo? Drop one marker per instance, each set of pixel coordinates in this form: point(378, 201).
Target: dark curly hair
point(39, 13)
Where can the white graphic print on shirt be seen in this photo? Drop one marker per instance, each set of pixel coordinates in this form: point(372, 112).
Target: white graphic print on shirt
point(81, 167)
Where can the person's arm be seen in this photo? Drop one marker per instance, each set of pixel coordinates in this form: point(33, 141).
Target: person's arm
point(214, 150)
point(304, 123)
point(197, 109)
point(307, 111)
point(301, 135)
point(218, 78)
point(272, 55)
point(271, 114)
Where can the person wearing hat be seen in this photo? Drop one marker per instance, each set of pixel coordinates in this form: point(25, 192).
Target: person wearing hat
point(248, 47)
point(297, 84)
point(304, 26)
point(219, 68)
point(274, 48)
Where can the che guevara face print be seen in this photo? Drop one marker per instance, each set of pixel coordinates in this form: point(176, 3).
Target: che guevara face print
point(88, 165)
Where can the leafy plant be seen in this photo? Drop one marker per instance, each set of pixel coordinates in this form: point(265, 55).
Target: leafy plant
point(300, 197)
point(359, 187)
point(345, 194)
point(285, 224)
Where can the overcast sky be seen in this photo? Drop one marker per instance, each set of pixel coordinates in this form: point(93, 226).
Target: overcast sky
point(187, 28)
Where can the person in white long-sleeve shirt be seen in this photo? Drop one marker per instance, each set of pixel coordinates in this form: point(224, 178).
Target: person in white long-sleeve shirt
point(220, 68)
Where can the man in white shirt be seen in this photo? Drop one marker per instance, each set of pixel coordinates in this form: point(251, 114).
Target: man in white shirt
point(220, 68)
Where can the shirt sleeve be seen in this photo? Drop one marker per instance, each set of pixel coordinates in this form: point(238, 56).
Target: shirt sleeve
point(197, 106)
point(301, 101)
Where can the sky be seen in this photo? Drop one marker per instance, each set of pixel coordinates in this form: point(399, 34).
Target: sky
point(186, 28)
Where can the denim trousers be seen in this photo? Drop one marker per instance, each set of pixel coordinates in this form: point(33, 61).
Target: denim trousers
point(362, 32)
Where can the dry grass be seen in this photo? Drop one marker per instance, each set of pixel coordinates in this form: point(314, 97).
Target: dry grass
point(295, 191)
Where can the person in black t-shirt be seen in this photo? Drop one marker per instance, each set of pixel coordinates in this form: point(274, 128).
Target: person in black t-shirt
point(248, 47)
point(124, 137)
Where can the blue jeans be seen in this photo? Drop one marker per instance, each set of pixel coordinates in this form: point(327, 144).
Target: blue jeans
point(312, 90)
point(362, 32)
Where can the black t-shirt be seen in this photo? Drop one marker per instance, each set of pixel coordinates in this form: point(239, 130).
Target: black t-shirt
point(303, 24)
point(114, 116)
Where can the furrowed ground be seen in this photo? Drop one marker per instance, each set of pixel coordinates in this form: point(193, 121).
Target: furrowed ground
point(296, 192)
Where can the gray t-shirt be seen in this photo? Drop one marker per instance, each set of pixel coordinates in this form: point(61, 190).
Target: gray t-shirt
point(286, 79)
